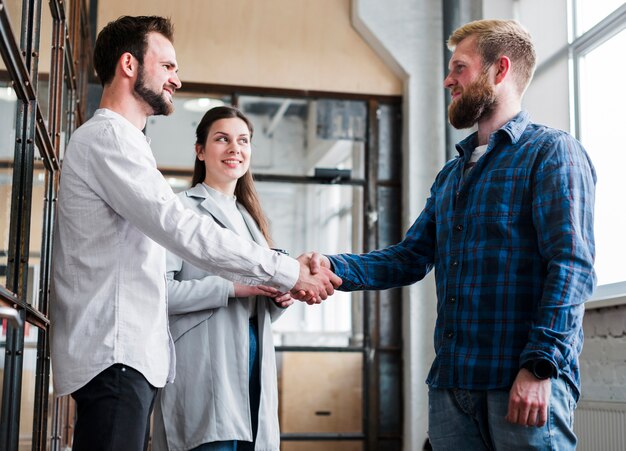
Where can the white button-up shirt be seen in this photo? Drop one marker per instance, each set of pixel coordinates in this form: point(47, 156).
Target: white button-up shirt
point(115, 214)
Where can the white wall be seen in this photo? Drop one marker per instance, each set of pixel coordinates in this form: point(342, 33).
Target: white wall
point(547, 98)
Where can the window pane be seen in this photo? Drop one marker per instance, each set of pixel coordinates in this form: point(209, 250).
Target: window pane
point(7, 152)
point(29, 375)
point(36, 230)
point(603, 135)
point(173, 137)
point(590, 12)
point(298, 136)
point(329, 402)
point(324, 218)
point(3, 346)
point(14, 11)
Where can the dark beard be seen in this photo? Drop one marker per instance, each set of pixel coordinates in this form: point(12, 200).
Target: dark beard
point(160, 106)
point(476, 101)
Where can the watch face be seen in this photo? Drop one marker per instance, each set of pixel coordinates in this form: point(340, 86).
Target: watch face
point(542, 369)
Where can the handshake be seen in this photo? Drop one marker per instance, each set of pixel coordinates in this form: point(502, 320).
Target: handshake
point(315, 283)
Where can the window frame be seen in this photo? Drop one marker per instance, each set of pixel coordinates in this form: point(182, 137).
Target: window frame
point(579, 46)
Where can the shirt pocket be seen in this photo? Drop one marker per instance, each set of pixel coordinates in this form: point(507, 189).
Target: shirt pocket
point(501, 195)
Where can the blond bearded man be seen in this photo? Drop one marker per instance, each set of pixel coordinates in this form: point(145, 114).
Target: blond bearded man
point(508, 228)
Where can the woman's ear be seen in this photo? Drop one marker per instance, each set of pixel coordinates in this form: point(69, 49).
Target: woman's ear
point(200, 152)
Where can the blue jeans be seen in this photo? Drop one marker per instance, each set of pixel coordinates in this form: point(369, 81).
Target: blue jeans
point(255, 397)
point(473, 420)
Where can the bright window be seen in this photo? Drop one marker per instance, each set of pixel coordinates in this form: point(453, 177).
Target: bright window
point(592, 12)
point(601, 118)
point(603, 134)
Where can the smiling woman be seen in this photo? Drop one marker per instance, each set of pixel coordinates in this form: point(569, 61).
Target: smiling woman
point(221, 329)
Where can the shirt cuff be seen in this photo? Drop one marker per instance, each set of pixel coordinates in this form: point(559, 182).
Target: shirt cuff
point(231, 290)
point(287, 273)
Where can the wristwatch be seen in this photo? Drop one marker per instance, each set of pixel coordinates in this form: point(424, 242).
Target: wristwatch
point(541, 368)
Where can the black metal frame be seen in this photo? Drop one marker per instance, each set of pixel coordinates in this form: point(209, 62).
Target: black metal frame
point(35, 140)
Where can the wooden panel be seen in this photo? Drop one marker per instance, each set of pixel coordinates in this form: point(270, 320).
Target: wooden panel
point(293, 44)
point(321, 392)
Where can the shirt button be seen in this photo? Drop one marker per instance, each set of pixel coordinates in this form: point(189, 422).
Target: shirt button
point(459, 227)
point(449, 334)
point(452, 299)
point(455, 263)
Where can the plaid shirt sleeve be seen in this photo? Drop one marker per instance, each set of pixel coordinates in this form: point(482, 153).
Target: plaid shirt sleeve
point(562, 211)
point(398, 265)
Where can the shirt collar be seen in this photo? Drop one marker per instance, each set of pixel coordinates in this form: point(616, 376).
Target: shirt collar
point(121, 119)
point(514, 129)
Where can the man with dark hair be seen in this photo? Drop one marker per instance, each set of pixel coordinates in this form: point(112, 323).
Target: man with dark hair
point(111, 346)
point(508, 228)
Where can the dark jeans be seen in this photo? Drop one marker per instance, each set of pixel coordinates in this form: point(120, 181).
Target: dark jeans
point(255, 397)
point(113, 411)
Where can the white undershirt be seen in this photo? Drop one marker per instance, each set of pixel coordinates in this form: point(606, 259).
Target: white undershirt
point(478, 152)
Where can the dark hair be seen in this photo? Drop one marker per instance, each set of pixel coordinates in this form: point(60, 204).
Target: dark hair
point(244, 190)
point(126, 34)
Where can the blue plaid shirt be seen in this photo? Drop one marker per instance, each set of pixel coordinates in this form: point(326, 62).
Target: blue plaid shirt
point(512, 245)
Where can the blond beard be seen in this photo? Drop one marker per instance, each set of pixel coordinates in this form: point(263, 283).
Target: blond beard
point(476, 100)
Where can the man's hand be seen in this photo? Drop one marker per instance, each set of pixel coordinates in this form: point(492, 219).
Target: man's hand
point(317, 261)
point(311, 287)
point(528, 400)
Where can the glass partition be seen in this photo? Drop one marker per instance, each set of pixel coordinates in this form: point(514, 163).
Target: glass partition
point(3, 347)
point(327, 219)
point(7, 151)
point(36, 230)
point(173, 138)
point(304, 137)
point(14, 10)
point(29, 377)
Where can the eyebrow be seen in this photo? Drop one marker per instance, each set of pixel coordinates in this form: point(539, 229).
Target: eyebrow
point(219, 132)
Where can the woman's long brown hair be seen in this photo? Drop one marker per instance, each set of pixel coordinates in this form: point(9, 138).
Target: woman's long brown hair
point(244, 190)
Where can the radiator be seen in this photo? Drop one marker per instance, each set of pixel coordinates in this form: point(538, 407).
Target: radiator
point(601, 426)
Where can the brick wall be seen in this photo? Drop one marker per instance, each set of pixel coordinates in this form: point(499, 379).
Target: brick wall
point(603, 359)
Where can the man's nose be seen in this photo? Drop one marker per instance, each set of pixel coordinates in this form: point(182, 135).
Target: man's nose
point(176, 81)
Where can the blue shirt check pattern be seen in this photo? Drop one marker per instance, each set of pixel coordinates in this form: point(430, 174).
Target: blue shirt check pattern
point(512, 245)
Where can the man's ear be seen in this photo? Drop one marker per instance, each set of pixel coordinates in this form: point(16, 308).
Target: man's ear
point(502, 66)
point(128, 64)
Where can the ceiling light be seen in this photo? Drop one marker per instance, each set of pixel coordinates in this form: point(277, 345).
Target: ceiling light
point(201, 104)
point(7, 94)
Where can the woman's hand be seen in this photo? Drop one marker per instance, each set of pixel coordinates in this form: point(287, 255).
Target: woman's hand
point(244, 291)
point(284, 300)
